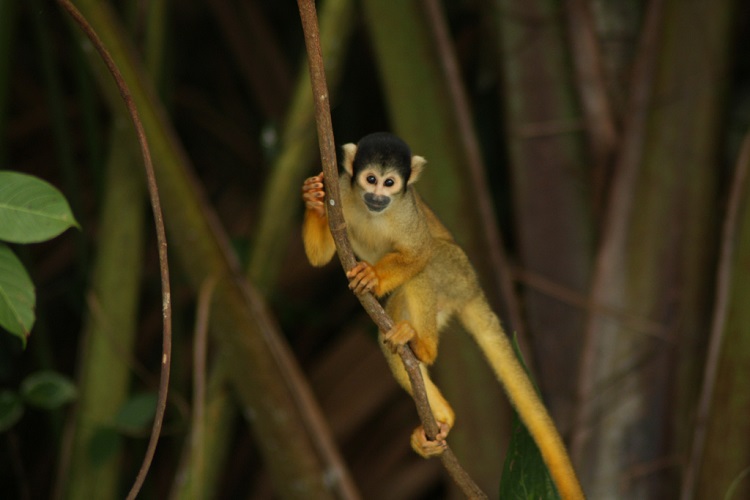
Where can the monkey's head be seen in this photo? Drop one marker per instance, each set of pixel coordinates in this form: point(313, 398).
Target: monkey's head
point(381, 168)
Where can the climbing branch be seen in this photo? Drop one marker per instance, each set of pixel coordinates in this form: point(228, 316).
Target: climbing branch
point(338, 230)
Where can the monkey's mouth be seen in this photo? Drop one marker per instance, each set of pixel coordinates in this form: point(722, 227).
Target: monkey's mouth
point(376, 203)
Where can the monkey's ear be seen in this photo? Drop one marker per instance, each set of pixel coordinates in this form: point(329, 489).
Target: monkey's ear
point(349, 151)
point(417, 167)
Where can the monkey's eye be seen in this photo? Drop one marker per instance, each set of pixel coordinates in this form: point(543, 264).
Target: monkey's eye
point(371, 179)
point(389, 182)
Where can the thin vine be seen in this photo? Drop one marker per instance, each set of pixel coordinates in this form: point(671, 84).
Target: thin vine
point(161, 237)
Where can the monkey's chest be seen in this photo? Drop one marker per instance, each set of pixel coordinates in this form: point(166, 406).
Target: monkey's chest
point(369, 244)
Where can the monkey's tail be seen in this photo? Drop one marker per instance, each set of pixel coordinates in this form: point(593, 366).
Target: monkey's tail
point(485, 327)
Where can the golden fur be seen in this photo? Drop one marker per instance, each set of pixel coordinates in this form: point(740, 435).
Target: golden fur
point(429, 279)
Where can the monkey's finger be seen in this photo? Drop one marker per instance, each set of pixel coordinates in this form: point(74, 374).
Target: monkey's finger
point(352, 273)
point(360, 284)
point(354, 279)
point(357, 286)
point(312, 196)
point(357, 269)
point(316, 187)
point(365, 286)
point(364, 280)
point(316, 179)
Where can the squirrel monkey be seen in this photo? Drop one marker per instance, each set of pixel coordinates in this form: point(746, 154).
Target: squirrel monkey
point(408, 255)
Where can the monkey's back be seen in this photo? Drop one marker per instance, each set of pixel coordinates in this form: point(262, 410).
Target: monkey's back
point(451, 276)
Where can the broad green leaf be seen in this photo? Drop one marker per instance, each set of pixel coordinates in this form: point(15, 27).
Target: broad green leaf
point(136, 414)
point(48, 390)
point(17, 297)
point(31, 209)
point(11, 409)
point(525, 475)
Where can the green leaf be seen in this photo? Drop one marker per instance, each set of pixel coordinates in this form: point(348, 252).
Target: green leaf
point(11, 409)
point(17, 297)
point(136, 414)
point(525, 475)
point(48, 390)
point(31, 210)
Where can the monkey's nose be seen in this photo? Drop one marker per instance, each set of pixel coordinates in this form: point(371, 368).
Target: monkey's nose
point(376, 203)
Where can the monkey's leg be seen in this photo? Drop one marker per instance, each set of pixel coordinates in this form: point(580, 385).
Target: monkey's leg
point(414, 302)
point(402, 309)
point(440, 408)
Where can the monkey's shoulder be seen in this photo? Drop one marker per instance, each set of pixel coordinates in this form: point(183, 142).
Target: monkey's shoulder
point(435, 225)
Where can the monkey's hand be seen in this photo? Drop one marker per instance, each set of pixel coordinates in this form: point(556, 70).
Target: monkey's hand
point(426, 447)
point(362, 278)
point(313, 194)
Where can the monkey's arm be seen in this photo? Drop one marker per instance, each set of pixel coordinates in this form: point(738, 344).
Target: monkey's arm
point(390, 272)
point(316, 235)
point(396, 268)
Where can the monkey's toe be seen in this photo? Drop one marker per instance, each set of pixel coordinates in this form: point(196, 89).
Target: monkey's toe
point(426, 447)
point(401, 334)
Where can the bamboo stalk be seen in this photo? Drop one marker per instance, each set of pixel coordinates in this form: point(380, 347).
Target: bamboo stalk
point(724, 280)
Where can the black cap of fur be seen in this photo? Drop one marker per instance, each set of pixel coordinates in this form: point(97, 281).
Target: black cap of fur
point(387, 150)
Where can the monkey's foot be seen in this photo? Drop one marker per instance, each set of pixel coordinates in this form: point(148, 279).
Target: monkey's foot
point(362, 278)
point(426, 447)
point(399, 335)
